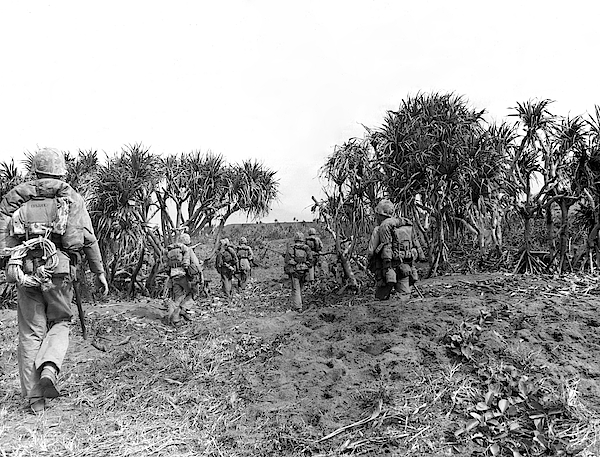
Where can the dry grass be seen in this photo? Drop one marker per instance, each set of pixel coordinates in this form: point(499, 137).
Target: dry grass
point(216, 386)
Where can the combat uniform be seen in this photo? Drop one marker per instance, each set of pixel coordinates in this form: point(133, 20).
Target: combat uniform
point(225, 264)
point(44, 313)
point(297, 260)
point(316, 245)
point(393, 248)
point(245, 257)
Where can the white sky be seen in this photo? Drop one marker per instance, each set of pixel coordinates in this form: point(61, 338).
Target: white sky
point(278, 81)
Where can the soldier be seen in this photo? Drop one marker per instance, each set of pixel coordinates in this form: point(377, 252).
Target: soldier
point(184, 278)
point(47, 226)
point(226, 263)
point(246, 259)
point(195, 274)
point(297, 260)
point(316, 245)
point(393, 247)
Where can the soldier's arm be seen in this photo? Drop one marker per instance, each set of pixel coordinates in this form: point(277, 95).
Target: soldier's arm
point(373, 243)
point(91, 248)
point(186, 255)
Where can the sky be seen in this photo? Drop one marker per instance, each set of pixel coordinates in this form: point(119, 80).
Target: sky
point(278, 81)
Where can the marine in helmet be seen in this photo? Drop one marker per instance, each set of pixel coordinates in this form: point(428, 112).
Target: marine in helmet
point(226, 264)
point(393, 248)
point(185, 277)
point(297, 260)
point(44, 280)
point(319, 264)
point(245, 257)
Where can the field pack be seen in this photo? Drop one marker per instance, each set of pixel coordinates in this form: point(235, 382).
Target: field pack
point(41, 216)
point(243, 252)
point(175, 256)
point(300, 257)
point(402, 243)
point(228, 256)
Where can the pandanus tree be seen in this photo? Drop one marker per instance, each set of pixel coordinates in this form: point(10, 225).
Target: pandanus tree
point(587, 177)
point(121, 208)
point(424, 148)
point(81, 171)
point(10, 176)
point(568, 148)
point(486, 201)
point(353, 187)
point(529, 161)
point(205, 189)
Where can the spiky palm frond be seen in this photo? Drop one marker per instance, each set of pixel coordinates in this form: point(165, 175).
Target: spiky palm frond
point(10, 176)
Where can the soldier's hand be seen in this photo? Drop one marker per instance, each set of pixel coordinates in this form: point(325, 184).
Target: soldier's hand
point(102, 280)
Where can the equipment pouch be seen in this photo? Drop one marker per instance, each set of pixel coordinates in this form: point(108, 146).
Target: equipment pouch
point(177, 272)
point(64, 265)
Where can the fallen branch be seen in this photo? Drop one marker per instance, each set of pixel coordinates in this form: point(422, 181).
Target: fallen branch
point(373, 416)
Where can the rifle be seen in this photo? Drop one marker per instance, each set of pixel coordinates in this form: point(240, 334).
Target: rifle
point(77, 290)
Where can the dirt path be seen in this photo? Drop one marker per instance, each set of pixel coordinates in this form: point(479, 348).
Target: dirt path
point(252, 378)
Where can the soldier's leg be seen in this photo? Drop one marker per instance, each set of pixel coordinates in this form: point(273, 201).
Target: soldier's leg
point(31, 317)
point(243, 279)
point(403, 284)
point(226, 280)
point(58, 313)
point(383, 289)
point(179, 294)
point(296, 292)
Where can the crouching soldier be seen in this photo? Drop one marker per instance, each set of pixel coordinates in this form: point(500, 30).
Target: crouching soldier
point(246, 259)
point(46, 225)
point(393, 248)
point(226, 264)
point(297, 260)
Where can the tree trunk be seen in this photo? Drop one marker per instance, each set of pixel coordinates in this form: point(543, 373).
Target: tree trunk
point(135, 272)
point(564, 234)
point(550, 239)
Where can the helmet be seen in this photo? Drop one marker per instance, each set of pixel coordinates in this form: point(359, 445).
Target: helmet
point(312, 231)
point(225, 241)
point(299, 236)
point(185, 238)
point(243, 240)
point(385, 208)
point(50, 162)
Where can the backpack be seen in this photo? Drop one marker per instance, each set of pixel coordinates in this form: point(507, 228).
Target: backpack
point(41, 216)
point(402, 243)
point(228, 256)
point(175, 255)
point(312, 243)
point(300, 257)
point(175, 261)
point(242, 252)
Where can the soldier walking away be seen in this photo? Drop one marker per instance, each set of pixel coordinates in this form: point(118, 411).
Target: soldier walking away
point(184, 278)
point(226, 264)
point(393, 248)
point(316, 246)
point(44, 225)
point(297, 260)
point(246, 259)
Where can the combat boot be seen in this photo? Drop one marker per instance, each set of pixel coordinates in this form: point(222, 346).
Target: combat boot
point(48, 381)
